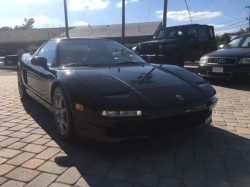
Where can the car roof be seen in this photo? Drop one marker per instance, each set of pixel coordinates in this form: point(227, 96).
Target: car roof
point(188, 25)
point(246, 34)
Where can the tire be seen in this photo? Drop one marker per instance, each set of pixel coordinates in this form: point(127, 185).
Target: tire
point(63, 115)
point(178, 58)
point(22, 89)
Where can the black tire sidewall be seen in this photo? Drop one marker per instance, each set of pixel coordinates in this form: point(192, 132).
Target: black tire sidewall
point(23, 93)
point(70, 132)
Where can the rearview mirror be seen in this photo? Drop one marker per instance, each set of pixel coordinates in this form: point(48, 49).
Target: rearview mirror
point(40, 61)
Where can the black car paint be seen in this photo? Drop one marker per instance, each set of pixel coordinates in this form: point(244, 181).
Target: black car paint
point(191, 49)
point(151, 88)
point(231, 71)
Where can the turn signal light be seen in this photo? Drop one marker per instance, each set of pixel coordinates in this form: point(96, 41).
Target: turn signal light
point(79, 107)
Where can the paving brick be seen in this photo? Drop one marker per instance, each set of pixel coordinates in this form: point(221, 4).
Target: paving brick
point(12, 183)
point(2, 180)
point(43, 180)
point(239, 177)
point(226, 153)
point(19, 134)
point(60, 158)
point(34, 148)
point(52, 167)
point(80, 161)
point(125, 162)
point(216, 171)
point(114, 183)
point(143, 179)
point(31, 138)
point(142, 167)
point(209, 158)
point(48, 153)
point(194, 178)
point(117, 174)
point(9, 153)
point(17, 145)
point(147, 156)
point(189, 164)
point(33, 163)
point(56, 184)
point(41, 141)
point(217, 183)
point(8, 142)
point(241, 130)
point(22, 174)
point(236, 184)
point(20, 159)
point(236, 147)
point(165, 181)
point(71, 176)
point(5, 168)
point(162, 160)
point(88, 181)
point(2, 160)
point(235, 164)
point(167, 171)
point(185, 155)
point(100, 168)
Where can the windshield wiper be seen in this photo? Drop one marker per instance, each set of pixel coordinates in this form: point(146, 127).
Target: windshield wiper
point(75, 64)
point(128, 62)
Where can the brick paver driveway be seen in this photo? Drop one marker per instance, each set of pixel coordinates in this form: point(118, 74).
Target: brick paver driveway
point(32, 154)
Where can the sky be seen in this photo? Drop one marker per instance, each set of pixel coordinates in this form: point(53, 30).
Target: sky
point(225, 15)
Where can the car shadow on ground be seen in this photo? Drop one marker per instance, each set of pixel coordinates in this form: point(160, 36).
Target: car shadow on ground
point(242, 85)
point(191, 159)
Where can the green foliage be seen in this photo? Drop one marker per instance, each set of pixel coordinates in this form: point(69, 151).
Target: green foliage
point(5, 28)
point(226, 37)
point(28, 24)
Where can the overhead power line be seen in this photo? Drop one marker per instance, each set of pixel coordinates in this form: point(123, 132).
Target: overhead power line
point(191, 19)
point(149, 10)
point(231, 25)
point(232, 20)
point(221, 9)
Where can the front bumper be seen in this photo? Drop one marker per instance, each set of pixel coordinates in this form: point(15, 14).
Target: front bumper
point(229, 71)
point(130, 130)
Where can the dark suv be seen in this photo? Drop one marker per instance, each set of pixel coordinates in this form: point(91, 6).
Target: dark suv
point(174, 45)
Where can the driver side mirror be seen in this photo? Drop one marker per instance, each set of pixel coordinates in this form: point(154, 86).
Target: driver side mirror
point(40, 61)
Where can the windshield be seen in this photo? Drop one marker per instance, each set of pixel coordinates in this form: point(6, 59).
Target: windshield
point(239, 42)
point(95, 52)
point(177, 32)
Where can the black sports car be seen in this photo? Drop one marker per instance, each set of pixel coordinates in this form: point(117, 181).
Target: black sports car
point(101, 90)
point(231, 62)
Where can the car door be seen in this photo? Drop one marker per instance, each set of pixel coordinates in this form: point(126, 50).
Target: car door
point(40, 79)
point(203, 40)
point(193, 43)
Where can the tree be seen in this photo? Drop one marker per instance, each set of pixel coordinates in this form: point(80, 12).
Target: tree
point(5, 28)
point(28, 24)
point(225, 38)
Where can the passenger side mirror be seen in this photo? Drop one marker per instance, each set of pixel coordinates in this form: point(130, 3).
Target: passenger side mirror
point(40, 61)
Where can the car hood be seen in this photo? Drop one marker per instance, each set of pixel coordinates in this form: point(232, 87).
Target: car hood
point(158, 86)
point(161, 41)
point(238, 52)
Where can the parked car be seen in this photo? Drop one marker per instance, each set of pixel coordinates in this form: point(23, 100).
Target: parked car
point(231, 62)
point(174, 45)
point(103, 91)
point(11, 60)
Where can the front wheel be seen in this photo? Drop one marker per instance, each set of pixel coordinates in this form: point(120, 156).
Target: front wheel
point(63, 115)
point(21, 88)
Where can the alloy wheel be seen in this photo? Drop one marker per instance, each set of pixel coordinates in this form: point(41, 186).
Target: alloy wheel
point(61, 113)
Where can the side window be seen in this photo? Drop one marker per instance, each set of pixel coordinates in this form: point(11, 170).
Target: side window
point(161, 33)
point(202, 33)
point(246, 42)
point(49, 51)
point(192, 33)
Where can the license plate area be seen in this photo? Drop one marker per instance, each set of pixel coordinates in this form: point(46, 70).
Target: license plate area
point(218, 69)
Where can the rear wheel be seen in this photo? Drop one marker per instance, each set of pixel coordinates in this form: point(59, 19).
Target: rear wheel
point(22, 89)
point(63, 115)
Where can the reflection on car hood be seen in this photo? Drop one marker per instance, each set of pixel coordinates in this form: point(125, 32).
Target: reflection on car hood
point(238, 52)
point(134, 77)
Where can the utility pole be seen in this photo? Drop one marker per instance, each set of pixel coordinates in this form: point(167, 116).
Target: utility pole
point(66, 18)
point(248, 18)
point(165, 10)
point(123, 21)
